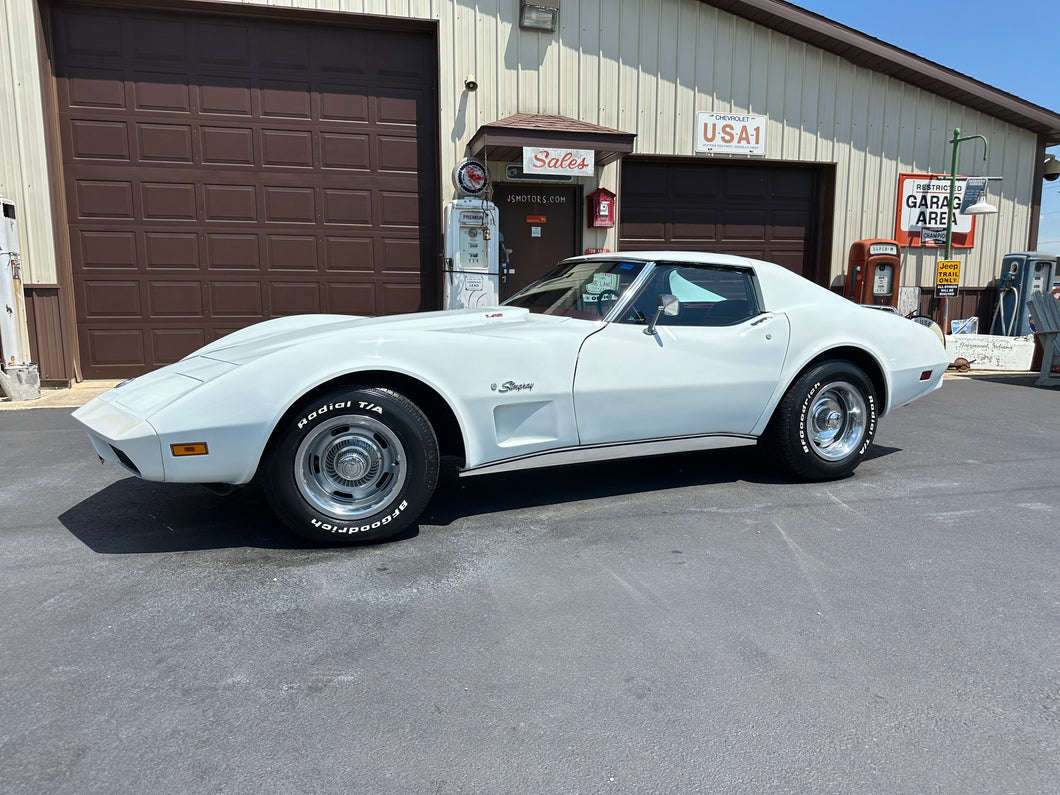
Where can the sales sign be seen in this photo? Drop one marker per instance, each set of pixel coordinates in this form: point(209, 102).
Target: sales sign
point(569, 162)
point(924, 209)
point(947, 278)
point(730, 133)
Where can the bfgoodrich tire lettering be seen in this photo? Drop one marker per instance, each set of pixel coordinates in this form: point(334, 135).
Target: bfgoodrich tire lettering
point(825, 422)
point(352, 466)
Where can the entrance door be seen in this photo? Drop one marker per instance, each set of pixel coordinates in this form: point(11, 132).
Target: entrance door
point(540, 225)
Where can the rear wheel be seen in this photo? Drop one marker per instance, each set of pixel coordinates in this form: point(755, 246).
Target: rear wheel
point(825, 422)
point(352, 466)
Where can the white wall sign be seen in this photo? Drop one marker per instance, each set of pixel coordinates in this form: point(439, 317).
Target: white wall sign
point(548, 160)
point(730, 133)
point(924, 208)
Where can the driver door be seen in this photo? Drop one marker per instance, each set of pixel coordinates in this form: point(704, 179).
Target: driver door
point(712, 368)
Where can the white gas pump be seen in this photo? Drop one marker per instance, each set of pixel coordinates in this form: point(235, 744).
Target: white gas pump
point(18, 377)
point(472, 246)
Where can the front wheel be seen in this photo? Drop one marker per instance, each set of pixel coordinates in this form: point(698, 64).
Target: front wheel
point(353, 466)
point(825, 422)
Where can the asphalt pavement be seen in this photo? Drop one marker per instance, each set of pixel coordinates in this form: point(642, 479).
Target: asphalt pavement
point(689, 623)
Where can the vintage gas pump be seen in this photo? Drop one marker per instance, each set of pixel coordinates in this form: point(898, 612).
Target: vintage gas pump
point(874, 272)
point(19, 378)
point(1022, 273)
point(472, 246)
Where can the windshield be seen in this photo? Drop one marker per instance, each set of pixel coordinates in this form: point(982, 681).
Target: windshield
point(586, 289)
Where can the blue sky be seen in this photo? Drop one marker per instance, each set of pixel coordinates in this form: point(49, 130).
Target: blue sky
point(1013, 45)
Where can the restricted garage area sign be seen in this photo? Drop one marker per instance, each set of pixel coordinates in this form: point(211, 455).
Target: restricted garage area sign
point(947, 278)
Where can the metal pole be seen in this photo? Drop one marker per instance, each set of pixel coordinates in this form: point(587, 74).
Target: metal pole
point(944, 303)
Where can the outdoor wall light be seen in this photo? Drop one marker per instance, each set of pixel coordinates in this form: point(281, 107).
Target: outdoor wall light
point(470, 83)
point(539, 15)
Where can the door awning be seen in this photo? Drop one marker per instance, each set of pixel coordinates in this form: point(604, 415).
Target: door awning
point(503, 140)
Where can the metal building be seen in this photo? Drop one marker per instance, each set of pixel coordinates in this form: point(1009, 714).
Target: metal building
point(185, 168)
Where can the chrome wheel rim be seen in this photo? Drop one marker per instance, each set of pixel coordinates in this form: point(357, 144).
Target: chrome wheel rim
point(835, 421)
point(350, 467)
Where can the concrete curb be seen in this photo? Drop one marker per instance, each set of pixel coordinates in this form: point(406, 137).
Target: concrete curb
point(69, 398)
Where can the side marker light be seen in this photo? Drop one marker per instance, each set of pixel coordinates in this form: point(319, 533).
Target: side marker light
point(926, 375)
point(195, 448)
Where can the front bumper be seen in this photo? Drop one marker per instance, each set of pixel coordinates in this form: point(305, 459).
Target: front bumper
point(122, 438)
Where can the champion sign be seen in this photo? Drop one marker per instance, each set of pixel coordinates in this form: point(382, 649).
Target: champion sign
point(569, 162)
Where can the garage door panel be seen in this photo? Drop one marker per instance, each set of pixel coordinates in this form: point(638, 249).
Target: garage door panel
point(99, 199)
point(760, 211)
point(279, 48)
point(398, 255)
point(348, 151)
point(227, 252)
point(287, 148)
point(296, 298)
point(168, 299)
point(397, 298)
point(220, 43)
point(227, 146)
point(169, 201)
point(164, 92)
point(349, 254)
point(112, 351)
point(284, 99)
point(99, 140)
point(224, 95)
point(691, 225)
point(344, 103)
point(229, 203)
point(164, 143)
point(171, 251)
point(291, 252)
point(265, 159)
point(91, 35)
point(347, 207)
point(156, 39)
point(343, 53)
point(352, 298)
point(106, 250)
point(95, 88)
point(110, 298)
point(237, 299)
point(170, 345)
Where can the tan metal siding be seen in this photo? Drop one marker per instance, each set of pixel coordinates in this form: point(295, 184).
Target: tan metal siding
point(23, 160)
point(644, 66)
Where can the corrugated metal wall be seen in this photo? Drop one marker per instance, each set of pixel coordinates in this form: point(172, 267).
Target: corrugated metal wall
point(642, 66)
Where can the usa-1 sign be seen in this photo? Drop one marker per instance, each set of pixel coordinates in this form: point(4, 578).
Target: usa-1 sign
point(947, 278)
point(730, 133)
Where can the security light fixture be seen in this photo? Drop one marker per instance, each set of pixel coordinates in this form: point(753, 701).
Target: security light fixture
point(981, 207)
point(539, 15)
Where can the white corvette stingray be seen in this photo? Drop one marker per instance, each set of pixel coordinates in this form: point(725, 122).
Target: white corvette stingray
point(344, 419)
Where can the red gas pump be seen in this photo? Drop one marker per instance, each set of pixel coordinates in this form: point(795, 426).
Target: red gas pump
point(874, 272)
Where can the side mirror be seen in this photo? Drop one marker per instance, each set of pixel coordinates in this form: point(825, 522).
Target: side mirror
point(668, 305)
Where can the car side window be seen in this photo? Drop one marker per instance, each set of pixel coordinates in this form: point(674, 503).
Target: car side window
point(709, 296)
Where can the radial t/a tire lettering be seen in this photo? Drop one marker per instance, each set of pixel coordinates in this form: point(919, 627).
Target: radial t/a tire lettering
point(352, 466)
point(825, 422)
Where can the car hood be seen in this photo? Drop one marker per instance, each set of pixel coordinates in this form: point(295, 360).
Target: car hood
point(262, 339)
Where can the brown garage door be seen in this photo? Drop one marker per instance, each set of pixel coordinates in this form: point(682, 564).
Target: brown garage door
point(752, 210)
point(223, 170)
